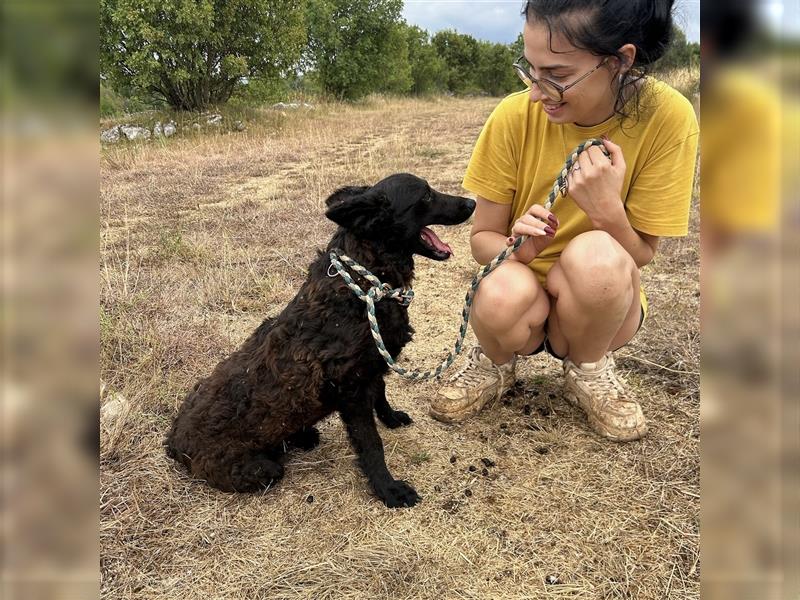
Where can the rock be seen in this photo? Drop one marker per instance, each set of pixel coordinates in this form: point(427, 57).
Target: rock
point(196, 126)
point(110, 136)
point(170, 129)
point(239, 126)
point(158, 131)
point(488, 462)
point(292, 106)
point(214, 119)
point(132, 132)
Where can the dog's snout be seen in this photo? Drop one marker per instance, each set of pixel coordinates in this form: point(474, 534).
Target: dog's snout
point(470, 204)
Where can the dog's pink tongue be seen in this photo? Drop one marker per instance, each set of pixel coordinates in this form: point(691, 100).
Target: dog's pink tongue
point(434, 241)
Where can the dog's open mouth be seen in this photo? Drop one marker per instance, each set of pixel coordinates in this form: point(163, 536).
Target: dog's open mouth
point(439, 249)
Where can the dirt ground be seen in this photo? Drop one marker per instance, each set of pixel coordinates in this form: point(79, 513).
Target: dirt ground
point(203, 236)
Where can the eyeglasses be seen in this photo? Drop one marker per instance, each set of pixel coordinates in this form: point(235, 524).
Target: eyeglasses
point(549, 88)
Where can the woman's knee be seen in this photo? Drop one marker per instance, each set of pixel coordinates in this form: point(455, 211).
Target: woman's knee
point(596, 266)
point(507, 295)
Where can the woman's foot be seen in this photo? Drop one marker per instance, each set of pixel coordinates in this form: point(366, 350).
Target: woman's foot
point(479, 382)
point(596, 389)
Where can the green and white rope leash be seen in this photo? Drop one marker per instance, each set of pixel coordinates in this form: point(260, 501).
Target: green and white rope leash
point(378, 291)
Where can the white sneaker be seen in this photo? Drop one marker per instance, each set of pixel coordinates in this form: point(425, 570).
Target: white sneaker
point(596, 389)
point(476, 384)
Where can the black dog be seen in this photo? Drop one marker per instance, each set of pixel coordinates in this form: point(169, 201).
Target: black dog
point(318, 356)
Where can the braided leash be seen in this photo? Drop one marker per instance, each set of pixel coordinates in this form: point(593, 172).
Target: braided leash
point(379, 291)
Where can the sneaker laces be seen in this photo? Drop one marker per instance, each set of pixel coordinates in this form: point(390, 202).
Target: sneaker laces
point(472, 373)
point(604, 380)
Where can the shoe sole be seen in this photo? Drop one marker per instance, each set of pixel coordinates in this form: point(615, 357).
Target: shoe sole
point(462, 416)
point(602, 429)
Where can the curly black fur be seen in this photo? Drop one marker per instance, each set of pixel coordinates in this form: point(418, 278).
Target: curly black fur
point(318, 356)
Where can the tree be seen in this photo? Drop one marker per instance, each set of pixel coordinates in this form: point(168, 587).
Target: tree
point(354, 44)
point(495, 73)
point(428, 69)
point(678, 54)
point(460, 54)
point(194, 52)
point(396, 73)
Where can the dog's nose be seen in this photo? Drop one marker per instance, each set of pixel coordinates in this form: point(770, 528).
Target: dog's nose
point(470, 204)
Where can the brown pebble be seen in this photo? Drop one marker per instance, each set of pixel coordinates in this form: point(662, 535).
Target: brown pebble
point(473, 468)
point(468, 493)
point(485, 472)
point(488, 462)
point(452, 460)
point(309, 498)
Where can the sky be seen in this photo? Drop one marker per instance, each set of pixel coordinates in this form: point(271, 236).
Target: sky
point(500, 20)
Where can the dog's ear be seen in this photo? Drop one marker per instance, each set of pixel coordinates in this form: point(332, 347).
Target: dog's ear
point(358, 209)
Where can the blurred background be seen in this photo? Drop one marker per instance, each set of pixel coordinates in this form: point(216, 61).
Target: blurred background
point(750, 312)
point(750, 229)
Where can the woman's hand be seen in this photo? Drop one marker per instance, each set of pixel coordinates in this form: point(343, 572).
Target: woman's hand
point(538, 223)
point(595, 183)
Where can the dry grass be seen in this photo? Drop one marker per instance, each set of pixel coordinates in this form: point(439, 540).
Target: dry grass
point(204, 236)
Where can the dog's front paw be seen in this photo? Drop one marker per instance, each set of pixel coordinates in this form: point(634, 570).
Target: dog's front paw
point(396, 419)
point(397, 494)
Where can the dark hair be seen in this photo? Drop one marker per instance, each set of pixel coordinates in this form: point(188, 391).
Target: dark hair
point(730, 25)
point(603, 26)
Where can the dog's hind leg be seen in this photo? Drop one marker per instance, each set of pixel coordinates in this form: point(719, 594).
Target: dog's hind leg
point(305, 439)
point(255, 472)
point(388, 416)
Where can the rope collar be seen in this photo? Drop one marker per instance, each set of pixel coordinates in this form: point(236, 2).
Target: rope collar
point(377, 290)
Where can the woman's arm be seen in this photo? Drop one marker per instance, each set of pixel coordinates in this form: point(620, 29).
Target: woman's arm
point(595, 184)
point(490, 228)
point(641, 246)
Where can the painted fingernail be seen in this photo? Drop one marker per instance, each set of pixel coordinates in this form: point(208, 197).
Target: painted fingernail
point(549, 231)
point(552, 218)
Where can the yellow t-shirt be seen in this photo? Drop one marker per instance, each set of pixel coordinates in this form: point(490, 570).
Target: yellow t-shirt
point(741, 154)
point(520, 152)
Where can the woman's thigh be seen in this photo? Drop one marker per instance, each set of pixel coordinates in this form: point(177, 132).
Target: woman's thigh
point(564, 274)
point(511, 305)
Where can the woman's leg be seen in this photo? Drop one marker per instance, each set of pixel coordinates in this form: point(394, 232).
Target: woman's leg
point(596, 305)
point(596, 308)
point(508, 315)
point(509, 312)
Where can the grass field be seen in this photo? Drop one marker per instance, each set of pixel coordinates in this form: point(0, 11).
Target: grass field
point(203, 236)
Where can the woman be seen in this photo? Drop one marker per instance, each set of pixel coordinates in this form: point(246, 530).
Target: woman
point(573, 288)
